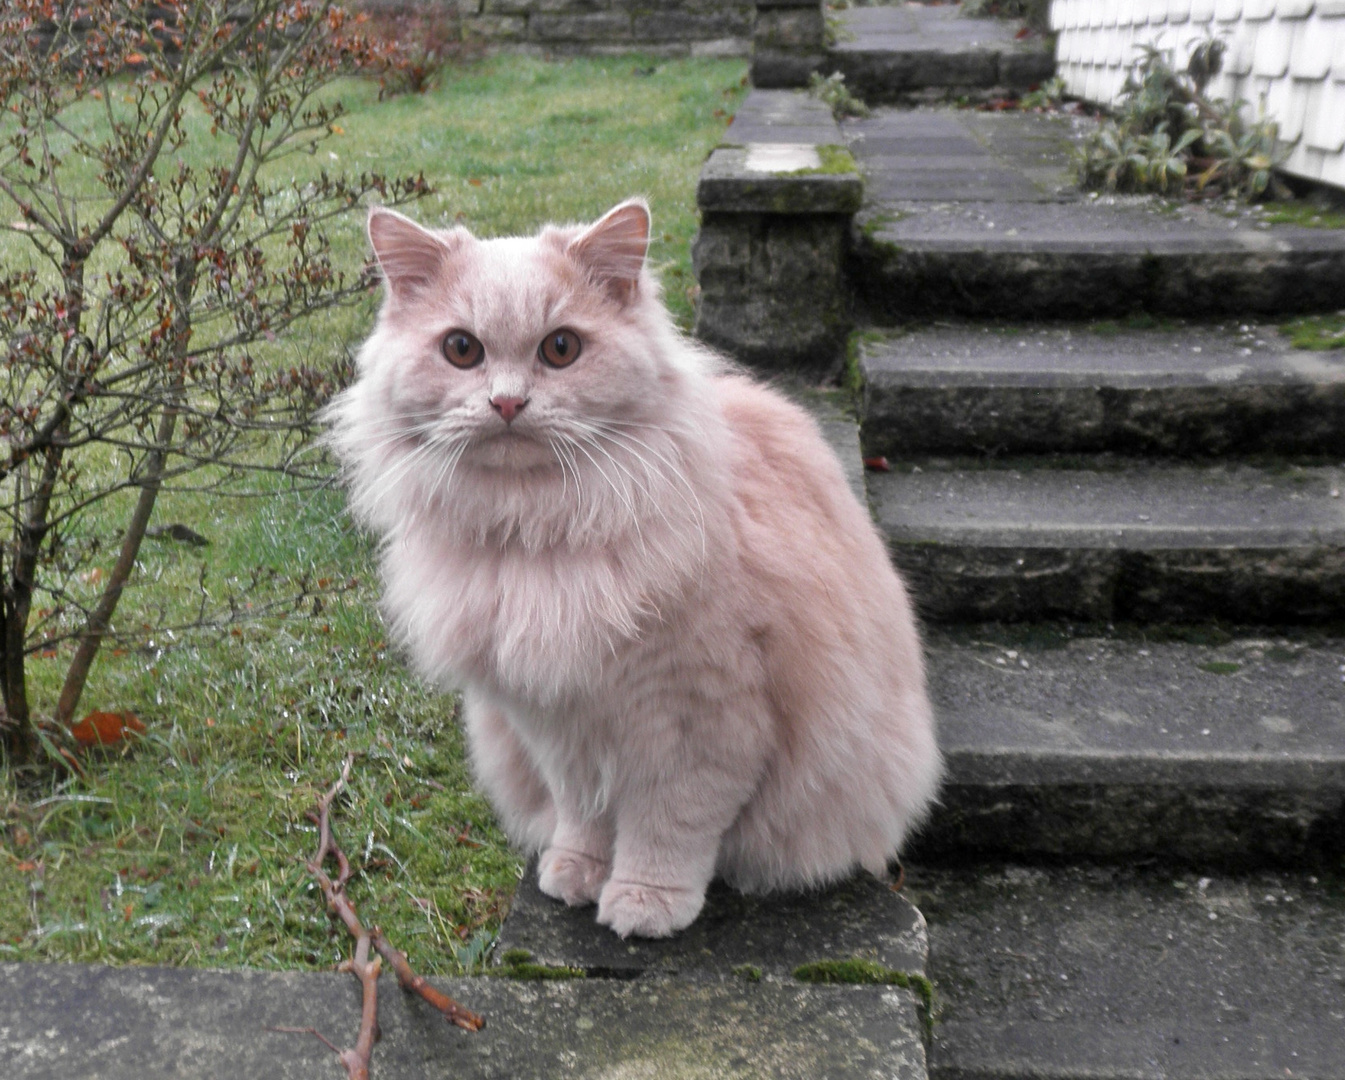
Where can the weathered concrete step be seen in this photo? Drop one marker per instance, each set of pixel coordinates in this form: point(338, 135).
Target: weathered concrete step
point(774, 935)
point(1235, 388)
point(978, 214)
point(1130, 974)
point(1121, 747)
point(891, 54)
point(73, 1022)
point(1143, 541)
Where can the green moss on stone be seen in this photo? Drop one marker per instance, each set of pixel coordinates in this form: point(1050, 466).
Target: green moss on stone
point(750, 972)
point(868, 972)
point(1304, 213)
point(1317, 332)
point(1221, 667)
point(518, 964)
point(834, 161)
point(853, 380)
point(1139, 320)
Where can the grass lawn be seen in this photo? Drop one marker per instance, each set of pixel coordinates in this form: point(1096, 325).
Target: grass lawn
point(188, 847)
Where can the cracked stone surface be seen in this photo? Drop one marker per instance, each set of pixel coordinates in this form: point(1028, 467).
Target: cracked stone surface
point(1135, 973)
point(71, 1022)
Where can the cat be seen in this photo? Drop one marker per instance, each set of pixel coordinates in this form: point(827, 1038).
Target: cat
point(682, 649)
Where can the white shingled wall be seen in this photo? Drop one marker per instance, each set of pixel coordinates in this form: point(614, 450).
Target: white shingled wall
point(1284, 56)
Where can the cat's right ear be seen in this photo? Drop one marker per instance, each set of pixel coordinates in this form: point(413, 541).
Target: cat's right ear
point(613, 248)
point(411, 257)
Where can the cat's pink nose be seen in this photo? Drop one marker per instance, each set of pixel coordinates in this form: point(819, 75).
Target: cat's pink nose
point(508, 407)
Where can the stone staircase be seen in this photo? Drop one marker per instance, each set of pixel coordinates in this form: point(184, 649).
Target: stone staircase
point(1115, 486)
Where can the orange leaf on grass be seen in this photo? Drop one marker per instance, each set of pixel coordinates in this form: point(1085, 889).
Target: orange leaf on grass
point(26, 867)
point(106, 728)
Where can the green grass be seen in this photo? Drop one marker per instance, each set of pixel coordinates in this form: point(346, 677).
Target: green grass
point(1316, 332)
point(188, 847)
point(514, 143)
point(1303, 212)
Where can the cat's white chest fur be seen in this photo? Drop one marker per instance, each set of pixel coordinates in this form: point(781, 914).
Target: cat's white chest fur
point(539, 627)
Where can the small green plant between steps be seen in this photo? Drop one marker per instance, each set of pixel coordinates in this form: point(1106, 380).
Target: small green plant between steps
point(857, 971)
point(833, 93)
point(519, 964)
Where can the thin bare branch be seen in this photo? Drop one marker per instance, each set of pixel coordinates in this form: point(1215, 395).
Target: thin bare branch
point(356, 1059)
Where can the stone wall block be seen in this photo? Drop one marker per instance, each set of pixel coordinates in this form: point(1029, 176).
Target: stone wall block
point(774, 69)
point(772, 288)
point(498, 27)
point(506, 7)
point(677, 26)
point(605, 26)
point(790, 28)
point(740, 8)
point(567, 7)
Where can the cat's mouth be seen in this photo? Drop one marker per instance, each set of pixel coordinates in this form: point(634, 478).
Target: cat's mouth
point(510, 448)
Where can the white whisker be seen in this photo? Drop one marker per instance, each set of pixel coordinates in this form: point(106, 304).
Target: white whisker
point(693, 503)
point(616, 488)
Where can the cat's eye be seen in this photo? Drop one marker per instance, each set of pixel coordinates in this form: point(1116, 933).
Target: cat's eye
point(560, 348)
point(462, 350)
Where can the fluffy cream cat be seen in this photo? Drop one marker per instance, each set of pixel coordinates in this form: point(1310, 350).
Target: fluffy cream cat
point(682, 649)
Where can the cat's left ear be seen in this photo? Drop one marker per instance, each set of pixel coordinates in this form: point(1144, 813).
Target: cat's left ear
point(613, 248)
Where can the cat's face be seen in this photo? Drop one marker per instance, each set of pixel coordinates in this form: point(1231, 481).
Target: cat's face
point(508, 354)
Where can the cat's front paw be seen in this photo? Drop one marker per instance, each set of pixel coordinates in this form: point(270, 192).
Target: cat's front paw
point(649, 911)
point(571, 876)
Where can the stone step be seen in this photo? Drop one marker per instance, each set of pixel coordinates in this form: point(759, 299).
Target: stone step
point(1122, 747)
point(969, 213)
point(78, 1022)
point(1140, 541)
point(773, 935)
point(1134, 974)
point(1233, 388)
point(893, 54)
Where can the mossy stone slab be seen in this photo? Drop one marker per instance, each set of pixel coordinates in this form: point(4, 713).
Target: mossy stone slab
point(862, 917)
point(71, 1022)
